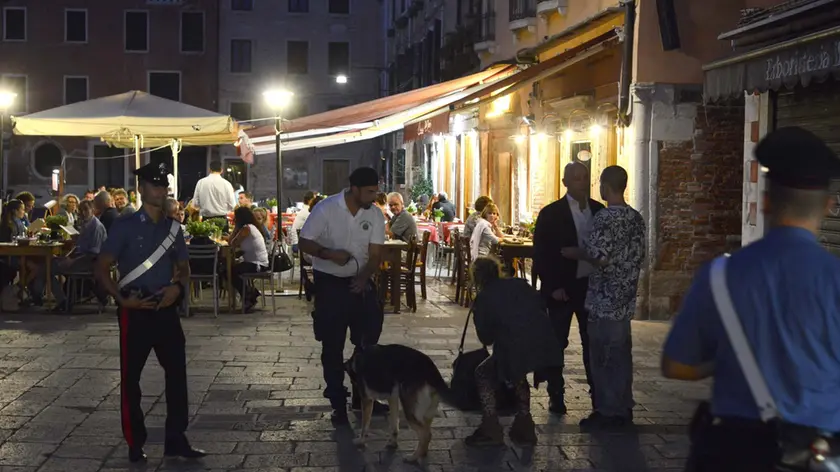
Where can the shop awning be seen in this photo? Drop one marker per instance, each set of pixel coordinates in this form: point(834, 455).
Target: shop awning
point(382, 126)
point(814, 57)
point(543, 69)
point(364, 115)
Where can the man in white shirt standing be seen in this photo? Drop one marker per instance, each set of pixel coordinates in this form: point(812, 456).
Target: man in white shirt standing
point(214, 196)
point(345, 235)
point(300, 219)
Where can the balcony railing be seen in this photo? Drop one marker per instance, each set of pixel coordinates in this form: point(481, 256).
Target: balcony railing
point(522, 9)
point(486, 30)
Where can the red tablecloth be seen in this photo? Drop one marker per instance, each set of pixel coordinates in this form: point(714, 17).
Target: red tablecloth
point(447, 229)
point(431, 228)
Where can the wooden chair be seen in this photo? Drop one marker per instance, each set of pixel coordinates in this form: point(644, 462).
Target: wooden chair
point(408, 276)
point(421, 264)
point(466, 295)
point(456, 274)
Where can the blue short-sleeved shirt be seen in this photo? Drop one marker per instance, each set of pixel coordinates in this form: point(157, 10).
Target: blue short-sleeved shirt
point(133, 238)
point(786, 290)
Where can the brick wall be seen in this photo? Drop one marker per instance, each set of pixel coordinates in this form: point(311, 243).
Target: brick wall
point(699, 212)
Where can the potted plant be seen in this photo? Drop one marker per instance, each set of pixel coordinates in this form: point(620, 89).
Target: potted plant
point(217, 225)
point(438, 214)
point(200, 232)
point(422, 186)
point(54, 223)
point(411, 209)
point(272, 203)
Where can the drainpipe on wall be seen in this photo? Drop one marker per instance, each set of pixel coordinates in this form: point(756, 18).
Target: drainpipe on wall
point(642, 112)
point(627, 62)
point(651, 217)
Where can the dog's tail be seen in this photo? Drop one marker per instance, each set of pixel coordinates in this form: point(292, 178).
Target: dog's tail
point(444, 391)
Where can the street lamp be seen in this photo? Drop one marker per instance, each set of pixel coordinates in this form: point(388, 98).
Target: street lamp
point(341, 79)
point(277, 100)
point(7, 99)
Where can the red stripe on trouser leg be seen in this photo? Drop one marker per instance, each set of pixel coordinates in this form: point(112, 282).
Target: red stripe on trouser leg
point(125, 407)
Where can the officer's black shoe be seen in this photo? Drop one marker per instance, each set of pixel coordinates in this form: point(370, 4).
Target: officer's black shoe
point(339, 417)
point(136, 454)
point(180, 447)
point(557, 405)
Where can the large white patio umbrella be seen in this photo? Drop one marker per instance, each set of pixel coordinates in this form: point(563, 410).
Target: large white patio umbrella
point(133, 120)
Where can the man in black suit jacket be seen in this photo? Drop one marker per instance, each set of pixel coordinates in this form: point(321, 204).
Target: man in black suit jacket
point(564, 282)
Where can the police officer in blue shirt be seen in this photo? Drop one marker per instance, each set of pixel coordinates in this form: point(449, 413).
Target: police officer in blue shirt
point(150, 253)
point(785, 289)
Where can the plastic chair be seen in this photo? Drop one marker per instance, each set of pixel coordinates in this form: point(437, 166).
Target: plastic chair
point(205, 252)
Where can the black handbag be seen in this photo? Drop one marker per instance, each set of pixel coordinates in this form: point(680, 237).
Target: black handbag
point(282, 261)
point(463, 383)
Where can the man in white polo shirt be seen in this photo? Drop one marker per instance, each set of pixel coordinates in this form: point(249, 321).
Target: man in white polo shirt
point(344, 235)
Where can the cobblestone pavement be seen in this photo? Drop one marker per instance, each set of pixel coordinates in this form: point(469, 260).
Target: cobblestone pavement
point(256, 404)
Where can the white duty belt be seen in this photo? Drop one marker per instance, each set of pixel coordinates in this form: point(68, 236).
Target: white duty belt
point(154, 258)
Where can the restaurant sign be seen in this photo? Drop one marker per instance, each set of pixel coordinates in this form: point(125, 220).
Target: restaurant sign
point(787, 67)
point(437, 124)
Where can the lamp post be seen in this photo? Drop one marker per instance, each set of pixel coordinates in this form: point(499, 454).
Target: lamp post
point(278, 99)
point(6, 101)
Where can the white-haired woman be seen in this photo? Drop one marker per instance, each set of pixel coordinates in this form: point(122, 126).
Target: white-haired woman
point(70, 209)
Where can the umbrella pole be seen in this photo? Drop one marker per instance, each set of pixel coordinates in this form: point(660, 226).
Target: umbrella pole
point(137, 166)
point(176, 149)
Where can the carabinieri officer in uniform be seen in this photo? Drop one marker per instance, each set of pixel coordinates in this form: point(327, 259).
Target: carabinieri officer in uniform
point(785, 291)
point(151, 255)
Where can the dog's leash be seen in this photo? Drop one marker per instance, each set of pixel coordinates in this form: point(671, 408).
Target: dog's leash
point(464, 333)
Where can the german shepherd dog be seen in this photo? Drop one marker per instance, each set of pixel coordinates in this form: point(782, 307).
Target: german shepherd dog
point(399, 374)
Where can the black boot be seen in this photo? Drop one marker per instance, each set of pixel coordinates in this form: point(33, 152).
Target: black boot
point(178, 446)
point(338, 417)
point(136, 454)
point(557, 405)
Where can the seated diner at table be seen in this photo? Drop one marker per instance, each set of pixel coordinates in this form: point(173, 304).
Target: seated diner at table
point(69, 209)
point(402, 225)
point(11, 227)
point(486, 233)
point(261, 214)
point(247, 237)
point(80, 259)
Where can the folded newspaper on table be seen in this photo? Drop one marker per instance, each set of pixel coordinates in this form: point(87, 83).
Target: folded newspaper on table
point(36, 225)
point(69, 230)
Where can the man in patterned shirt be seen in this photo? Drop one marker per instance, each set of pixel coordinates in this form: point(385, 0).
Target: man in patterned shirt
point(616, 248)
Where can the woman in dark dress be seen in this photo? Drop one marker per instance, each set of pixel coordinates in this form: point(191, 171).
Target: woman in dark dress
point(11, 227)
point(510, 316)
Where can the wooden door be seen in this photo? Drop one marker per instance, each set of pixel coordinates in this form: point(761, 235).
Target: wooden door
point(501, 185)
point(334, 175)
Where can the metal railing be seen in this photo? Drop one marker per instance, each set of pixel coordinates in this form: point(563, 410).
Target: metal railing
point(486, 30)
point(521, 9)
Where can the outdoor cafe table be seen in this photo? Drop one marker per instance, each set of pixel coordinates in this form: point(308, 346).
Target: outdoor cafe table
point(45, 251)
point(521, 250)
point(393, 256)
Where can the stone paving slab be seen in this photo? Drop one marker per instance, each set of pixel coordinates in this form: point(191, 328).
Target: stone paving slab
point(256, 404)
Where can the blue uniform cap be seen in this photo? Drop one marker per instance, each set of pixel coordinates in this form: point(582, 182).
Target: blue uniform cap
point(155, 174)
point(796, 158)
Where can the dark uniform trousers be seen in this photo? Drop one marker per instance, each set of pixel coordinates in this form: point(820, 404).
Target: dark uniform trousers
point(336, 310)
point(140, 332)
point(736, 445)
point(561, 314)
